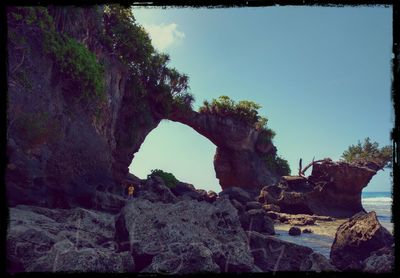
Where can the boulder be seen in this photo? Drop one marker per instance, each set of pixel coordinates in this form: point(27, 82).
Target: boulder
point(155, 190)
point(356, 239)
point(42, 240)
point(63, 257)
point(318, 263)
point(273, 254)
point(182, 188)
point(307, 231)
point(294, 231)
point(109, 202)
point(380, 261)
point(211, 196)
point(184, 231)
point(271, 207)
point(238, 194)
point(333, 189)
point(183, 259)
point(253, 205)
point(240, 208)
point(257, 220)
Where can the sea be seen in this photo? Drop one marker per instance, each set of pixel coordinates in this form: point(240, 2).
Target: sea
point(324, 233)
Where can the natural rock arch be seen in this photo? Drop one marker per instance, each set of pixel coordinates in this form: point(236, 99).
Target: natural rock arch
point(238, 160)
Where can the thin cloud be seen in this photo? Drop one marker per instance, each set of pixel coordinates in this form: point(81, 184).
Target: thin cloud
point(163, 36)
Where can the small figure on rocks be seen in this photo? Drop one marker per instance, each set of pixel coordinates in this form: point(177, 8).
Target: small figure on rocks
point(131, 191)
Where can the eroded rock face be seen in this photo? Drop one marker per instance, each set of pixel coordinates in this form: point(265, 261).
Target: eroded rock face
point(333, 189)
point(380, 261)
point(163, 239)
point(238, 160)
point(273, 254)
point(42, 240)
point(356, 239)
point(57, 146)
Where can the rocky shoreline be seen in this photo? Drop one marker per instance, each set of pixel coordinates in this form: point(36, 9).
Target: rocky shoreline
point(184, 230)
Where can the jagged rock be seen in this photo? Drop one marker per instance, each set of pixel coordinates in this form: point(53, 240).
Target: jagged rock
point(271, 207)
point(158, 230)
point(238, 194)
point(332, 189)
point(253, 205)
point(65, 258)
point(273, 254)
point(294, 203)
point(239, 206)
point(318, 263)
point(155, 190)
point(257, 220)
point(109, 202)
point(211, 196)
point(181, 188)
point(298, 219)
point(294, 231)
point(42, 239)
point(183, 259)
point(269, 194)
point(338, 188)
point(296, 183)
point(356, 238)
point(380, 261)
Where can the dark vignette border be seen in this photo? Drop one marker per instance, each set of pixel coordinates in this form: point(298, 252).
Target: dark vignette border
point(395, 134)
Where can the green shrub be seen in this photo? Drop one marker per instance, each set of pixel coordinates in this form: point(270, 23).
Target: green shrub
point(368, 152)
point(165, 87)
point(78, 62)
point(168, 178)
point(245, 110)
point(277, 165)
point(74, 59)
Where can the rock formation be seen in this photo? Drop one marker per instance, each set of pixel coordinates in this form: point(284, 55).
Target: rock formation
point(356, 239)
point(58, 146)
point(332, 189)
point(167, 235)
point(238, 160)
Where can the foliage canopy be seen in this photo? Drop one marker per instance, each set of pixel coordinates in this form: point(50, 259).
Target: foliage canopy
point(367, 152)
point(168, 178)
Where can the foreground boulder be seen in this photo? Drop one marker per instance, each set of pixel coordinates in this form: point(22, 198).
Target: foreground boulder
point(380, 261)
point(333, 189)
point(356, 239)
point(273, 254)
point(42, 240)
point(257, 220)
point(187, 236)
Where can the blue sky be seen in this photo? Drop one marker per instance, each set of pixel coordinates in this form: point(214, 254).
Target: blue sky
point(321, 74)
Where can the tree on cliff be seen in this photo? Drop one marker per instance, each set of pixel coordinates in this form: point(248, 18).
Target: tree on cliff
point(369, 153)
point(246, 111)
point(166, 87)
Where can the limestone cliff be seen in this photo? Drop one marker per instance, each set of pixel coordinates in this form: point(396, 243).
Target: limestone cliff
point(68, 141)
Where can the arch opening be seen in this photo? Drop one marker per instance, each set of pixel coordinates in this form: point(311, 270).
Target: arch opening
point(178, 149)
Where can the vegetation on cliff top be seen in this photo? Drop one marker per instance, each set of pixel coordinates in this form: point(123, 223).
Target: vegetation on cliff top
point(247, 112)
point(368, 152)
point(73, 58)
point(164, 86)
point(168, 178)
